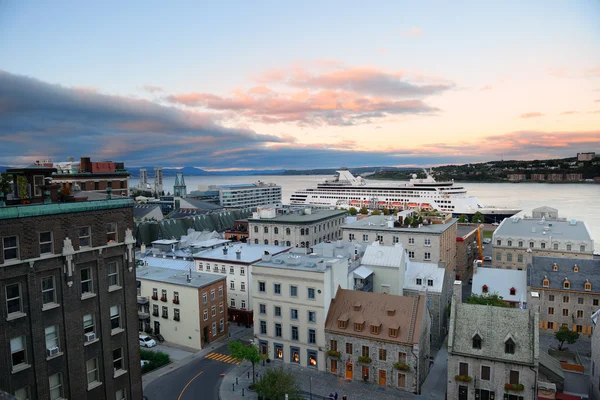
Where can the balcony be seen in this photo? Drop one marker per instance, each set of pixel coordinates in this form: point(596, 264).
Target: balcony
point(142, 315)
point(142, 300)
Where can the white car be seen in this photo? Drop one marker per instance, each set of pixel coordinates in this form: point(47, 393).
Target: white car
point(496, 223)
point(147, 341)
point(487, 258)
point(487, 240)
point(144, 362)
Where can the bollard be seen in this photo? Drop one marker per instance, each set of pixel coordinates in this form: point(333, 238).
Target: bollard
point(236, 380)
point(242, 392)
point(248, 374)
point(233, 387)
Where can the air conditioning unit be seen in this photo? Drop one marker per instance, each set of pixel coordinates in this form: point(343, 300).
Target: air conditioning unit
point(90, 336)
point(52, 351)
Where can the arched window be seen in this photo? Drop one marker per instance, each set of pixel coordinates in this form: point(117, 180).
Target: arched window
point(555, 267)
point(546, 282)
point(566, 284)
point(266, 229)
point(576, 268)
point(276, 243)
point(587, 286)
point(256, 229)
point(255, 241)
point(276, 230)
point(288, 243)
point(287, 231)
point(513, 291)
point(302, 232)
point(582, 248)
point(477, 341)
point(266, 242)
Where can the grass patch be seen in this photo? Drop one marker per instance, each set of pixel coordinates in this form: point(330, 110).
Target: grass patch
point(157, 359)
point(488, 234)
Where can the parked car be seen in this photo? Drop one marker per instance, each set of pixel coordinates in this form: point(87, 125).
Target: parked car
point(144, 362)
point(147, 341)
point(487, 240)
point(496, 224)
point(487, 258)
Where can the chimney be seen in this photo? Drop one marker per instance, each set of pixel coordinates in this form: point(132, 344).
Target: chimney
point(266, 256)
point(457, 292)
point(143, 248)
point(225, 250)
point(238, 254)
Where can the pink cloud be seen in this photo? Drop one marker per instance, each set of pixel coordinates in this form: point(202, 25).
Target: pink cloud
point(558, 72)
point(531, 115)
point(569, 112)
point(414, 32)
point(592, 72)
point(486, 87)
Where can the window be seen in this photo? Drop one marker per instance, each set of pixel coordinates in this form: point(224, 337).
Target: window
point(477, 342)
point(118, 359)
point(311, 293)
point(255, 241)
point(543, 245)
point(579, 328)
point(277, 288)
point(566, 284)
point(595, 302)
point(498, 242)
point(358, 327)
point(514, 377)
point(111, 232)
point(243, 306)
point(579, 313)
point(365, 238)
point(17, 350)
point(411, 254)
point(565, 312)
point(565, 299)
point(13, 299)
point(393, 332)
point(93, 375)
point(551, 297)
point(294, 313)
point(256, 229)
point(569, 247)
point(221, 308)
point(232, 285)
point(351, 236)
point(580, 300)
point(312, 316)
point(513, 291)
point(87, 281)
point(348, 348)
point(333, 345)
point(401, 380)
point(262, 308)
point(221, 325)
point(550, 310)
point(48, 290)
point(395, 239)
point(52, 344)
point(509, 257)
point(120, 395)
point(88, 324)
point(427, 256)
point(555, 246)
point(113, 274)
point(231, 270)
point(276, 242)
point(520, 243)
point(509, 243)
point(232, 303)
point(266, 229)
point(10, 245)
point(263, 327)
point(429, 282)
point(242, 271)
point(213, 311)
point(312, 336)
point(277, 330)
point(23, 393)
point(205, 315)
point(84, 237)
point(484, 289)
point(582, 248)
point(176, 315)
point(214, 329)
point(498, 256)
point(266, 242)
point(411, 240)
point(509, 346)
point(56, 387)
point(382, 354)
point(531, 245)
point(294, 333)
point(276, 230)
point(277, 311)
point(312, 358)
point(115, 317)
point(293, 291)
point(485, 373)
point(220, 291)
point(165, 312)
point(46, 244)
point(262, 287)
point(520, 258)
point(204, 298)
point(427, 242)
point(587, 286)
point(155, 310)
point(419, 281)
point(550, 325)
point(463, 369)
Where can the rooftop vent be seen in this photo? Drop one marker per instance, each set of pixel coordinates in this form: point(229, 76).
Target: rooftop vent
point(573, 222)
point(391, 312)
point(357, 306)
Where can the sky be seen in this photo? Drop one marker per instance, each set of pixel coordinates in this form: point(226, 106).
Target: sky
point(298, 85)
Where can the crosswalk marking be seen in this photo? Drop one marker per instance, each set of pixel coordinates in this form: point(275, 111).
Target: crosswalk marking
point(223, 358)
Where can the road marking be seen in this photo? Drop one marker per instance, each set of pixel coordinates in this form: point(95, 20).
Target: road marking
point(223, 358)
point(188, 384)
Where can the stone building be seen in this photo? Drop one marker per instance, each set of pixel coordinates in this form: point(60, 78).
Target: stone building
point(298, 228)
point(565, 291)
point(187, 308)
point(378, 338)
point(545, 234)
point(595, 373)
point(68, 304)
point(493, 352)
point(467, 250)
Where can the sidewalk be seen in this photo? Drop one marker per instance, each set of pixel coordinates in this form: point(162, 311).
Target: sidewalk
point(236, 334)
point(435, 383)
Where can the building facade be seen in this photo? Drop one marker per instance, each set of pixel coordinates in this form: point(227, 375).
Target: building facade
point(69, 327)
point(565, 291)
point(93, 176)
point(303, 228)
point(467, 250)
point(189, 311)
point(235, 263)
point(493, 352)
point(595, 373)
point(545, 236)
point(379, 339)
point(248, 194)
point(291, 296)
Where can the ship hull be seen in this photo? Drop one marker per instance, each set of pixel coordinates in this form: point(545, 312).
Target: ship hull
point(489, 217)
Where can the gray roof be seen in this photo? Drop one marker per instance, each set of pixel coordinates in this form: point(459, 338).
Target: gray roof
point(296, 261)
point(494, 325)
point(298, 218)
point(250, 253)
point(543, 229)
point(463, 230)
point(379, 223)
point(141, 210)
point(501, 281)
point(178, 264)
point(384, 256)
point(338, 248)
point(551, 366)
point(541, 267)
point(202, 205)
point(168, 275)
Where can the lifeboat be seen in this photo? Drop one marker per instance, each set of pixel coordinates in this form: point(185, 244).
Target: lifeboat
point(355, 202)
point(382, 203)
point(396, 204)
point(413, 205)
point(426, 206)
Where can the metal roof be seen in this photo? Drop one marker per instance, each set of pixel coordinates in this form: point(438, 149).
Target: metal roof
point(501, 281)
point(174, 277)
point(362, 272)
point(383, 256)
point(424, 271)
point(379, 223)
point(249, 253)
point(543, 229)
point(299, 218)
point(542, 267)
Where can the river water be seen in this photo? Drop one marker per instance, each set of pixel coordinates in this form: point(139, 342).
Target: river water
point(573, 200)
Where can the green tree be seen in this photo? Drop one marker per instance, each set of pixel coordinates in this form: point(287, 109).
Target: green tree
point(463, 219)
point(5, 182)
point(385, 211)
point(241, 352)
point(477, 217)
point(375, 212)
point(487, 299)
point(364, 211)
point(352, 211)
point(276, 383)
point(563, 335)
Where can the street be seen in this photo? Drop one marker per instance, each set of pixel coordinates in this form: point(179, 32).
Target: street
point(197, 380)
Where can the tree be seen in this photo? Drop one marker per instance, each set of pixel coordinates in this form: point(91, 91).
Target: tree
point(487, 299)
point(478, 217)
point(241, 352)
point(385, 211)
point(5, 182)
point(564, 334)
point(364, 211)
point(276, 383)
point(375, 212)
point(352, 211)
point(463, 219)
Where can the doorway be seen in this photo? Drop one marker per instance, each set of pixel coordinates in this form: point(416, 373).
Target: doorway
point(463, 392)
point(349, 370)
point(156, 328)
point(365, 373)
point(382, 377)
point(334, 368)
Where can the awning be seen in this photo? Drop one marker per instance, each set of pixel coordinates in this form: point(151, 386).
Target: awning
point(362, 272)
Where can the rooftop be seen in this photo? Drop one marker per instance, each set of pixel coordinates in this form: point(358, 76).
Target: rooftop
point(380, 223)
point(501, 281)
point(168, 275)
point(34, 210)
point(387, 312)
point(301, 218)
point(463, 230)
point(542, 267)
point(383, 256)
point(178, 264)
point(199, 204)
point(339, 248)
point(424, 271)
point(543, 229)
point(249, 253)
point(296, 261)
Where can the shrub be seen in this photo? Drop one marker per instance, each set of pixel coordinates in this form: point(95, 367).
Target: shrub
point(363, 359)
point(157, 359)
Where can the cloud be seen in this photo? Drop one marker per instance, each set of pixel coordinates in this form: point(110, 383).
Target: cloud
point(569, 112)
point(531, 115)
point(414, 32)
point(592, 72)
point(152, 89)
point(486, 87)
point(558, 72)
point(597, 101)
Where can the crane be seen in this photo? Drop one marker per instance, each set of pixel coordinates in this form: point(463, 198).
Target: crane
point(480, 247)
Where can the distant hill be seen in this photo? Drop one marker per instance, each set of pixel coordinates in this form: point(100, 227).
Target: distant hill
point(193, 171)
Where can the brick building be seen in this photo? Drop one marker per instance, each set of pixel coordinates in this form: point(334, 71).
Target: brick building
point(467, 250)
point(68, 307)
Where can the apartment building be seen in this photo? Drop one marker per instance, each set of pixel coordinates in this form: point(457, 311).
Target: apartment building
point(378, 339)
point(301, 228)
point(516, 177)
point(586, 156)
point(68, 307)
point(246, 195)
point(291, 294)
point(547, 236)
point(493, 352)
point(565, 291)
point(186, 308)
point(595, 373)
point(235, 263)
point(387, 266)
point(467, 250)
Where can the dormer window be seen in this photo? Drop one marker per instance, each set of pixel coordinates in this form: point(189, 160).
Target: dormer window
point(587, 285)
point(509, 346)
point(484, 289)
point(575, 268)
point(513, 291)
point(393, 332)
point(546, 282)
point(566, 284)
point(477, 342)
point(342, 324)
point(555, 267)
point(375, 329)
point(358, 326)
point(419, 281)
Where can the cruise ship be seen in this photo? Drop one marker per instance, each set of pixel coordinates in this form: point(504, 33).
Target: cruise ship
point(346, 190)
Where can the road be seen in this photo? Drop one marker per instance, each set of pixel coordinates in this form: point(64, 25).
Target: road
point(198, 380)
